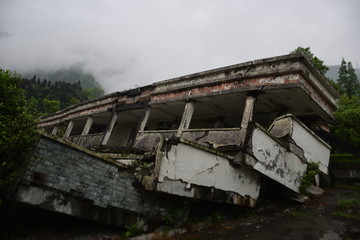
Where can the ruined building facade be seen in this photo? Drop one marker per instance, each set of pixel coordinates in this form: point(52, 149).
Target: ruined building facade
point(211, 135)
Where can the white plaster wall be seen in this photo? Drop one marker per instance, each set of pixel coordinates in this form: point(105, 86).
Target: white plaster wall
point(196, 166)
point(276, 162)
point(314, 149)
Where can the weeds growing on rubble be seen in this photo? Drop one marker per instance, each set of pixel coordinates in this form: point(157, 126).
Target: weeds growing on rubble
point(309, 177)
point(134, 229)
point(174, 218)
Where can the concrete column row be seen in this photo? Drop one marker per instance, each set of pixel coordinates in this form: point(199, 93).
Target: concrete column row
point(184, 124)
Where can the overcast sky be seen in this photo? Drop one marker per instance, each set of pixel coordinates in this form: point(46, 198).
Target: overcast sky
point(137, 42)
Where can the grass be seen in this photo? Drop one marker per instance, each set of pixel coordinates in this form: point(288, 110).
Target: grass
point(348, 208)
point(346, 215)
point(348, 203)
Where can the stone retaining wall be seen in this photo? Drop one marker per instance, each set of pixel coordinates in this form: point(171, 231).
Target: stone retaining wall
point(64, 179)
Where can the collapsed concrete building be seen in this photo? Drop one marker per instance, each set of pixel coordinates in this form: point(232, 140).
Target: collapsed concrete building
point(211, 135)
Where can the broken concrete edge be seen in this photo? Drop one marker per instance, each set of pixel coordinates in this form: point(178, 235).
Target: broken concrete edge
point(107, 157)
point(289, 115)
point(314, 191)
point(209, 193)
point(286, 128)
point(207, 149)
point(199, 188)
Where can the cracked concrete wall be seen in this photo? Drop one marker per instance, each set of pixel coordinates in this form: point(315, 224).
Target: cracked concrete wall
point(190, 167)
point(275, 161)
point(313, 148)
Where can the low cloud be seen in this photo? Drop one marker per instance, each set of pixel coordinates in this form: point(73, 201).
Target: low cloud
point(129, 43)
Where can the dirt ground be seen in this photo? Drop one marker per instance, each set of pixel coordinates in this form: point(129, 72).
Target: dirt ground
point(334, 215)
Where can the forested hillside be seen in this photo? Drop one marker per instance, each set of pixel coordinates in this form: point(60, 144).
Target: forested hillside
point(50, 96)
point(52, 91)
point(70, 75)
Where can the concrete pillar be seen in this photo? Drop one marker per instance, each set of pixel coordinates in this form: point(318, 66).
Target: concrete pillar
point(55, 129)
point(110, 127)
point(247, 117)
point(186, 118)
point(87, 127)
point(69, 129)
point(140, 127)
point(145, 119)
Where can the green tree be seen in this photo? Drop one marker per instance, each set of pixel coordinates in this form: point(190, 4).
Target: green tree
point(50, 106)
point(347, 116)
point(342, 78)
point(319, 64)
point(92, 93)
point(17, 127)
point(347, 80)
point(353, 81)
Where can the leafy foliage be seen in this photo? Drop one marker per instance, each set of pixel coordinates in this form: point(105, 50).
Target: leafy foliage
point(134, 229)
point(319, 64)
point(17, 127)
point(348, 115)
point(309, 177)
point(174, 218)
